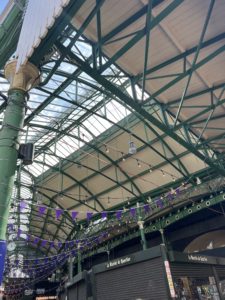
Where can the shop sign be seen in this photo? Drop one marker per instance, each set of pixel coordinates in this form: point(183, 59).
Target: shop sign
point(118, 262)
point(40, 291)
point(198, 258)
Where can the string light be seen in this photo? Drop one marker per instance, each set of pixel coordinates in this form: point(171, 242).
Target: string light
point(106, 149)
point(138, 163)
point(163, 174)
point(123, 159)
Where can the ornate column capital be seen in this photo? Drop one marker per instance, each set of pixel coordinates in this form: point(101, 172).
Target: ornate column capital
point(27, 77)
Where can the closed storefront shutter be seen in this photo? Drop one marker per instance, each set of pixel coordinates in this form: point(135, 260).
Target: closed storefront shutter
point(77, 291)
point(62, 296)
point(190, 270)
point(143, 281)
point(220, 272)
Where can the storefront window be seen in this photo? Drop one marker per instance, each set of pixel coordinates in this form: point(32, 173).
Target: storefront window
point(190, 288)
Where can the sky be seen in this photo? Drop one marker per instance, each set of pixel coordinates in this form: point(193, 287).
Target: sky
point(2, 4)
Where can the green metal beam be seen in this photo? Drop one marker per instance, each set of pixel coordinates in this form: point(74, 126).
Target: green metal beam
point(205, 26)
point(140, 110)
point(90, 144)
point(198, 65)
point(162, 15)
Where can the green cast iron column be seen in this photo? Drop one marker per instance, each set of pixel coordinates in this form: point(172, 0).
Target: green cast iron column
point(9, 144)
point(11, 131)
point(141, 228)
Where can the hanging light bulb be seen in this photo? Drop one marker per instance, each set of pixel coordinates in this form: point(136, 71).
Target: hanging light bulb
point(132, 148)
point(172, 191)
point(173, 178)
point(198, 180)
point(106, 149)
point(163, 174)
point(138, 163)
point(150, 169)
point(123, 159)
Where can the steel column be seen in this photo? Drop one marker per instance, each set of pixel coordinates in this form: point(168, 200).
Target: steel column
point(9, 139)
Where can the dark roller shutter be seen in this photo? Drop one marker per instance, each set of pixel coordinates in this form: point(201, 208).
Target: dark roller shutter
point(220, 272)
point(62, 296)
point(143, 281)
point(77, 291)
point(190, 270)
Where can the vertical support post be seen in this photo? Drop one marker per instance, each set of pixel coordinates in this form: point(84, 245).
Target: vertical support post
point(10, 134)
point(70, 265)
point(217, 280)
point(168, 275)
point(163, 237)
point(79, 258)
point(141, 228)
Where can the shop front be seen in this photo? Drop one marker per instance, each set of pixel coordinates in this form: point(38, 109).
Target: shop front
point(151, 275)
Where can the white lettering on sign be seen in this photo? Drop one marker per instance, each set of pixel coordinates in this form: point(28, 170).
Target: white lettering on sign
point(40, 291)
point(118, 262)
point(197, 258)
point(28, 292)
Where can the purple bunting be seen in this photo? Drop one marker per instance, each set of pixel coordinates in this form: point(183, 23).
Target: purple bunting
point(119, 214)
point(27, 237)
point(19, 232)
point(74, 214)
point(72, 244)
point(52, 245)
point(36, 240)
point(133, 212)
point(170, 197)
point(42, 209)
point(58, 213)
point(104, 214)
point(147, 208)
point(177, 191)
point(10, 227)
point(23, 205)
point(89, 215)
point(159, 203)
point(44, 242)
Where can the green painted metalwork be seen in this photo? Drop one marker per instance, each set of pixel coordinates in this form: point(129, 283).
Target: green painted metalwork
point(205, 26)
point(9, 144)
point(142, 33)
point(105, 85)
point(141, 228)
point(126, 99)
point(9, 33)
point(157, 224)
